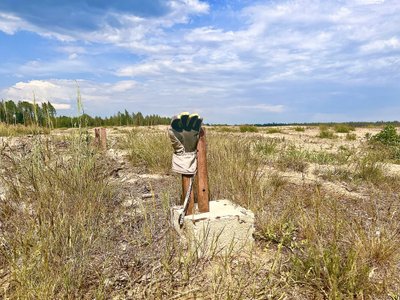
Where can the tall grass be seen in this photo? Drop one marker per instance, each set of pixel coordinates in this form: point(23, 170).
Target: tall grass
point(325, 246)
point(54, 220)
point(20, 130)
point(241, 181)
point(65, 235)
point(150, 149)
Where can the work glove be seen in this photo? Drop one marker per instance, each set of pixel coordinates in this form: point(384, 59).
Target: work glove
point(184, 134)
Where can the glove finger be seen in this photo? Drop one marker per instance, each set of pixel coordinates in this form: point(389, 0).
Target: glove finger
point(184, 118)
point(192, 120)
point(176, 123)
point(197, 124)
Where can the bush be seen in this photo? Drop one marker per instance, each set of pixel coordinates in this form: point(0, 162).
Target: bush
point(274, 130)
point(225, 129)
point(326, 134)
point(351, 136)
point(388, 136)
point(248, 128)
point(343, 128)
point(299, 129)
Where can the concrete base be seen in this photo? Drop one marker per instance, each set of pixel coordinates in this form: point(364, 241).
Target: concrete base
point(226, 229)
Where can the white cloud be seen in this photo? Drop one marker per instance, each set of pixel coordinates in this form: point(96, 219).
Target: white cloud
point(381, 45)
point(209, 34)
point(270, 44)
point(261, 108)
point(11, 24)
point(61, 106)
point(41, 89)
point(139, 69)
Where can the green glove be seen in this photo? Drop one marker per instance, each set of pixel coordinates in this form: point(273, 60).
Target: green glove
point(184, 134)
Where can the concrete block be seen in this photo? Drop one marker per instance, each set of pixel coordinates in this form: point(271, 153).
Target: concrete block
point(227, 228)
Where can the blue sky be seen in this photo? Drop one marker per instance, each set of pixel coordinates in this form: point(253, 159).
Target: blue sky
point(233, 61)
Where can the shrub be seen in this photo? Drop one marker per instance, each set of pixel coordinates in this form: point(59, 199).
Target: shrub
point(388, 136)
point(351, 136)
point(267, 147)
point(299, 129)
point(274, 130)
point(225, 129)
point(293, 159)
point(326, 134)
point(248, 128)
point(343, 128)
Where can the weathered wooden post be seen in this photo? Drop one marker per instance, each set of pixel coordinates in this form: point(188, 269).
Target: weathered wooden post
point(202, 174)
point(103, 139)
point(96, 137)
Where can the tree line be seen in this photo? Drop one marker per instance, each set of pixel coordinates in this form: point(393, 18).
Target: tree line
point(27, 113)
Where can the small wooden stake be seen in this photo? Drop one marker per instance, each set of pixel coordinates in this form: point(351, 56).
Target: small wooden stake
point(103, 139)
point(96, 137)
point(202, 174)
point(185, 186)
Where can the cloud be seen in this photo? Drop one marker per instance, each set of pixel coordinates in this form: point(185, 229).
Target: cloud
point(379, 46)
point(261, 108)
point(87, 15)
point(124, 23)
point(61, 106)
point(183, 54)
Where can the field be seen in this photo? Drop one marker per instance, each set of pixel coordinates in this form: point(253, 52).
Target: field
point(80, 223)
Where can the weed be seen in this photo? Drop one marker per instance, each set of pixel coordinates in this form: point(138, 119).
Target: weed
point(267, 147)
point(368, 168)
point(292, 159)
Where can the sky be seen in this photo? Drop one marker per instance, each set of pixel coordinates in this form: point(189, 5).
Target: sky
point(232, 61)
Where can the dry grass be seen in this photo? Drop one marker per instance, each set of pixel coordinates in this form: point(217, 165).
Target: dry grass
point(20, 130)
point(54, 220)
point(63, 226)
point(149, 149)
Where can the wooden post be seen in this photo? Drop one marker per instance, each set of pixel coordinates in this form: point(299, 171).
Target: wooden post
point(185, 187)
point(96, 137)
point(103, 139)
point(202, 174)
